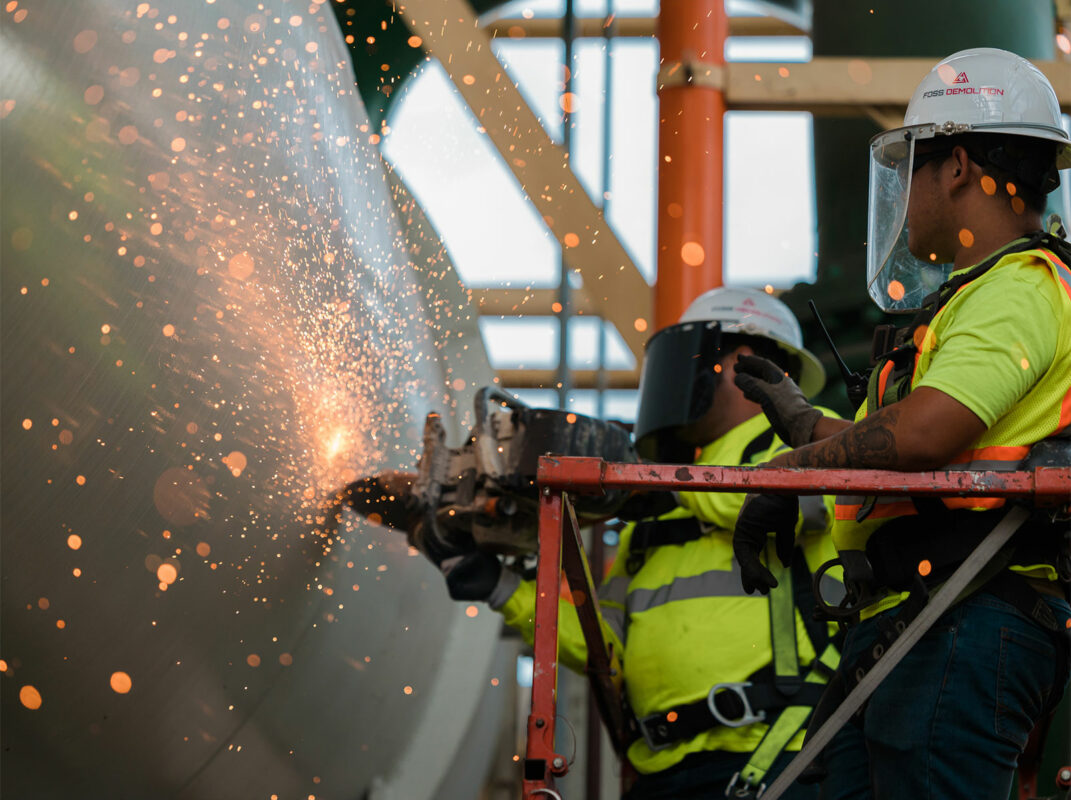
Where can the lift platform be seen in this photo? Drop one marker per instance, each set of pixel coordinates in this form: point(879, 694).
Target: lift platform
point(561, 551)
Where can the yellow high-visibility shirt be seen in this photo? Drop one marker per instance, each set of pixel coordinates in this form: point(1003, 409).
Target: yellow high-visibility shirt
point(1002, 347)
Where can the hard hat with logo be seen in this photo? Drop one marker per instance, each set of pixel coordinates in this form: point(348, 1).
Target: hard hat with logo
point(983, 90)
point(679, 376)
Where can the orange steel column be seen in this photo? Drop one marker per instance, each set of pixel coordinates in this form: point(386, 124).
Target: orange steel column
point(690, 161)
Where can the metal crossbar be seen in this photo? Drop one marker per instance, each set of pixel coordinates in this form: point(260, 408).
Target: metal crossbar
point(561, 550)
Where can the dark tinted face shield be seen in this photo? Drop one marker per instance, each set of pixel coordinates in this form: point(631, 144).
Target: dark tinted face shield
point(676, 387)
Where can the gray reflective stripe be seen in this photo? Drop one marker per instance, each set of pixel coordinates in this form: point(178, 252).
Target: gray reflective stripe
point(614, 590)
point(850, 500)
point(715, 583)
point(615, 618)
point(814, 511)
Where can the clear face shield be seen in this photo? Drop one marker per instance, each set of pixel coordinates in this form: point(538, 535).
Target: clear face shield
point(896, 280)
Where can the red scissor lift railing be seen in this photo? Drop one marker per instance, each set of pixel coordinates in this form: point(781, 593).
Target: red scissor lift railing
point(561, 550)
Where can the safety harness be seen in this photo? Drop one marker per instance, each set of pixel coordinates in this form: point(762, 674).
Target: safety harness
point(779, 694)
point(917, 553)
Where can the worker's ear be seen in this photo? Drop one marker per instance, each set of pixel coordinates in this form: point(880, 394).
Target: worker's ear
point(960, 165)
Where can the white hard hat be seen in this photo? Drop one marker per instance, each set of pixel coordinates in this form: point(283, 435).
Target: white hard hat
point(983, 90)
point(751, 312)
point(993, 91)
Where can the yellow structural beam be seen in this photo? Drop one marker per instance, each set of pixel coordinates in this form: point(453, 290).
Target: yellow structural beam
point(617, 291)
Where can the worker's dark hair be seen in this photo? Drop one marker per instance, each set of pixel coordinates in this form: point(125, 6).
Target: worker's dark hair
point(767, 348)
point(1019, 165)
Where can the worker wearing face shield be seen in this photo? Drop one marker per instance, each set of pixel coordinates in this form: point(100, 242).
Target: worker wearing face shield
point(979, 379)
point(720, 683)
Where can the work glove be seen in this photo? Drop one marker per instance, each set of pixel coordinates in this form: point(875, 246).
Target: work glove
point(470, 573)
point(760, 515)
point(472, 576)
point(790, 415)
point(386, 499)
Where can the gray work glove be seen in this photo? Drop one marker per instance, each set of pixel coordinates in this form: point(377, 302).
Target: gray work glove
point(761, 515)
point(789, 413)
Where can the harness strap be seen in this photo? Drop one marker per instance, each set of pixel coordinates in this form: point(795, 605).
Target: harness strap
point(730, 705)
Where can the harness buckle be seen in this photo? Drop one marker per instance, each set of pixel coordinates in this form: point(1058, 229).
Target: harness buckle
point(748, 717)
point(746, 791)
point(659, 729)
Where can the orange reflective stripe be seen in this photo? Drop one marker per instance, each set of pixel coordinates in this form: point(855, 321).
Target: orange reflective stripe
point(883, 379)
point(883, 509)
point(973, 502)
point(995, 453)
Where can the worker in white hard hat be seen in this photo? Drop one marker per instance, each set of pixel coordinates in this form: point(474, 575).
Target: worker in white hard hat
point(980, 379)
point(721, 683)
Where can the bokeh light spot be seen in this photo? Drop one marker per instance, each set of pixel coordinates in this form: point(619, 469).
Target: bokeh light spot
point(85, 41)
point(167, 573)
point(693, 254)
point(30, 697)
point(895, 290)
point(120, 682)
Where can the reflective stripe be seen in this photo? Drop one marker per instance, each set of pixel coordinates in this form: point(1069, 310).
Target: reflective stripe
point(614, 590)
point(883, 379)
point(847, 507)
point(615, 618)
point(992, 458)
point(715, 583)
point(996, 459)
point(815, 515)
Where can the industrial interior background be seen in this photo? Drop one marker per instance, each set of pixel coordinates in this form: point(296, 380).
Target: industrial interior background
point(237, 271)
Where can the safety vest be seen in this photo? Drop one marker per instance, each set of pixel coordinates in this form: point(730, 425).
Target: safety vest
point(1044, 412)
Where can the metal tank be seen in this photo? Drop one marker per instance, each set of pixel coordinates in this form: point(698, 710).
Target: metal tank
point(216, 309)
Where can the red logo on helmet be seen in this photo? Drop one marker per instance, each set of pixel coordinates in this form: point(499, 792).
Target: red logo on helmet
point(961, 78)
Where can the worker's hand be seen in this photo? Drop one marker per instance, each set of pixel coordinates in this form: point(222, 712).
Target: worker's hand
point(760, 515)
point(386, 499)
point(472, 576)
point(789, 413)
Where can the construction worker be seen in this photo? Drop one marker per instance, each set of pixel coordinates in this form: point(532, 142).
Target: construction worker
point(707, 668)
point(980, 379)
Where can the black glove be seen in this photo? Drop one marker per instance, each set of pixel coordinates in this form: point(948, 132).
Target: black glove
point(386, 499)
point(761, 514)
point(765, 383)
point(472, 576)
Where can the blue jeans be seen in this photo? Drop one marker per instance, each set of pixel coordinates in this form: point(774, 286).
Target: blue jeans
point(703, 776)
point(952, 718)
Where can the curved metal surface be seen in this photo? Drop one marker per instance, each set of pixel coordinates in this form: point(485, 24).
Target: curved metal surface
point(215, 311)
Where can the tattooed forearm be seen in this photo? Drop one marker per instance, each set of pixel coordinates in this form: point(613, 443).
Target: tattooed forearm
point(869, 444)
